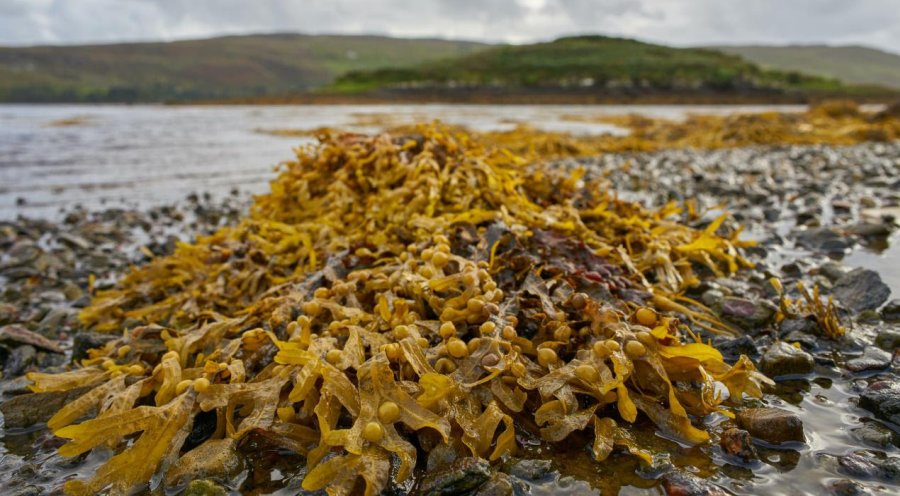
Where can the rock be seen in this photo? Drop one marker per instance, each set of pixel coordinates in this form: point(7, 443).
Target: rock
point(29, 409)
point(888, 339)
point(875, 434)
point(805, 325)
point(84, 341)
point(891, 311)
point(441, 455)
point(18, 335)
point(782, 359)
point(498, 485)
point(883, 400)
point(832, 270)
point(872, 359)
point(869, 229)
point(8, 313)
point(847, 487)
point(19, 360)
point(806, 341)
point(773, 425)
point(530, 469)
point(866, 464)
point(684, 484)
point(733, 348)
point(861, 289)
point(738, 443)
point(750, 315)
point(204, 488)
point(74, 241)
point(460, 477)
point(823, 239)
point(214, 458)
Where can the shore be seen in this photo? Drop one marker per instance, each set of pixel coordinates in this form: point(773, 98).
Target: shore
point(829, 423)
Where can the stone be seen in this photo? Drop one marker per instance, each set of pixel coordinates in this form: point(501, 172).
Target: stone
point(865, 464)
point(530, 469)
point(861, 289)
point(882, 398)
point(19, 360)
point(498, 485)
point(18, 335)
point(874, 434)
point(460, 477)
point(28, 409)
point(782, 359)
point(805, 325)
point(872, 359)
point(750, 315)
point(847, 487)
point(84, 341)
point(891, 311)
point(888, 339)
point(733, 348)
point(773, 425)
point(823, 239)
point(832, 270)
point(684, 484)
point(738, 443)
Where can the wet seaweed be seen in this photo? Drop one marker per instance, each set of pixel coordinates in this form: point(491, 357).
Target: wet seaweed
point(393, 293)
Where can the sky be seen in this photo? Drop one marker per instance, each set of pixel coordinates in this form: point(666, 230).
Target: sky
point(675, 22)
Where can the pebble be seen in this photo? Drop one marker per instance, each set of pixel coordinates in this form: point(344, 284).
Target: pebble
point(750, 315)
point(873, 358)
point(875, 434)
point(888, 339)
point(891, 311)
point(882, 398)
point(782, 359)
point(738, 443)
point(459, 477)
point(530, 470)
point(861, 289)
point(773, 425)
point(685, 484)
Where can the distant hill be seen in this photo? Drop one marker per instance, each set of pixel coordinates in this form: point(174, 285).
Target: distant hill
point(850, 64)
point(590, 65)
point(225, 67)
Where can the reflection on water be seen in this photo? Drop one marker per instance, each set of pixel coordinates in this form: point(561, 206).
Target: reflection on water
point(54, 156)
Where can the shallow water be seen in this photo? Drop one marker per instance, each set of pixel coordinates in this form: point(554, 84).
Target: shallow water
point(56, 156)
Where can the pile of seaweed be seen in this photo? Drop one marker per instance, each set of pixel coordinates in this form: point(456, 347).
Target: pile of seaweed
point(393, 294)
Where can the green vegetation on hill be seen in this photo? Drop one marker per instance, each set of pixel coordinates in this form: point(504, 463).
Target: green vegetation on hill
point(588, 62)
point(226, 67)
point(851, 64)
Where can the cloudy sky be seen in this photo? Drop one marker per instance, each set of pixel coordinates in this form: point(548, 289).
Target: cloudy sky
point(678, 22)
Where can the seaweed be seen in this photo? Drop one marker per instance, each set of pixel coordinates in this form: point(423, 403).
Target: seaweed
point(393, 293)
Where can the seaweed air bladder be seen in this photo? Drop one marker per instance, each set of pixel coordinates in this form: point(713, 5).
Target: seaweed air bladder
point(395, 293)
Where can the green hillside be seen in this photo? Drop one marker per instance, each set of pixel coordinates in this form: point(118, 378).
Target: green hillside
point(226, 67)
point(588, 61)
point(851, 64)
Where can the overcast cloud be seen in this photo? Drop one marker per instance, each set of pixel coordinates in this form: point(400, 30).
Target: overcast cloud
point(677, 22)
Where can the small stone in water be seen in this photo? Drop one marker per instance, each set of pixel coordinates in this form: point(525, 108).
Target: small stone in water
point(888, 339)
point(783, 359)
point(459, 477)
point(530, 469)
point(750, 315)
point(770, 424)
point(882, 399)
point(738, 442)
point(872, 359)
point(684, 484)
point(891, 311)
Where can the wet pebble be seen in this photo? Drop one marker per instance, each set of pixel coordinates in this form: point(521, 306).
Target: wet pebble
point(750, 315)
point(882, 398)
point(873, 358)
point(685, 484)
point(891, 311)
point(457, 478)
point(782, 359)
point(532, 469)
point(847, 487)
point(738, 443)
point(773, 425)
point(888, 339)
point(874, 434)
point(861, 289)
